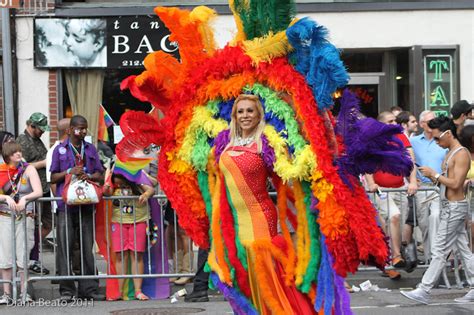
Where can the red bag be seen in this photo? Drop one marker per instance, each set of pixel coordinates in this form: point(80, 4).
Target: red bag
point(81, 192)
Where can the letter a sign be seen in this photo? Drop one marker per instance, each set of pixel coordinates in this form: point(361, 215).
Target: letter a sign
point(438, 75)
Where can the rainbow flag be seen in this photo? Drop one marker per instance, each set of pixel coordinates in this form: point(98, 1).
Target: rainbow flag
point(105, 121)
point(131, 169)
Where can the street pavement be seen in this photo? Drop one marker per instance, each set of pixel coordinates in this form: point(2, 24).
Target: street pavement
point(386, 301)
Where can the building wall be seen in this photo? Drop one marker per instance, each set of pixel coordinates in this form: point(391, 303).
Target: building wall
point(406, 29)
point(33, 89)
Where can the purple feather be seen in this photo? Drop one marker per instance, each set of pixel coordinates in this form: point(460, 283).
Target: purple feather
point(342, 298)
point(370, 145)
point(268, 154)
point(221, 141)
point(239, 303)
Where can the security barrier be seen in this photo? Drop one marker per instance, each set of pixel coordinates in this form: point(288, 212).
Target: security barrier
point(101, 268)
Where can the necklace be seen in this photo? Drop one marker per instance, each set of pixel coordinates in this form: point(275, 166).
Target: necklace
point(244, 141)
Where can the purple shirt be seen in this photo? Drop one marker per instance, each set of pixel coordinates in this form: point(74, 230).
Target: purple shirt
point(63, 159)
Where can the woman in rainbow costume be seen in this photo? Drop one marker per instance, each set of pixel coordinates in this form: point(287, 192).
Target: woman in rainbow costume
point(258, 109)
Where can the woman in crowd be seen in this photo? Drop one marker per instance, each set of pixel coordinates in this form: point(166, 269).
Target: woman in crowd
point(20, 185)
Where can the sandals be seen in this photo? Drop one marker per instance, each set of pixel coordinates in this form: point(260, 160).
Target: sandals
point(348, 287)
point(140, 296)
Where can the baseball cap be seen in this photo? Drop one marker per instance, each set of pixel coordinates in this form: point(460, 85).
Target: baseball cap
point(461, 107)
point(40, 121)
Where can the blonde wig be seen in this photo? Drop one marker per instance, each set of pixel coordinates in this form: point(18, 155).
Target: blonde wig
point(235, 130)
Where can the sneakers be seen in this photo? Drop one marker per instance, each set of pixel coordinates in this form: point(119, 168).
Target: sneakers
point(197, 296)
point(5, 299)
point(35, 267)
point(469, 297)
point(392, 274)
point(418, 295)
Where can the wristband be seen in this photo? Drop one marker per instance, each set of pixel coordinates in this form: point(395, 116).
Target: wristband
point(437, 175)
point(68, 171)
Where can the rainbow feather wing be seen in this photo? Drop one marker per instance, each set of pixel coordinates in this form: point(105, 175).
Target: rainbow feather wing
point(335, 221)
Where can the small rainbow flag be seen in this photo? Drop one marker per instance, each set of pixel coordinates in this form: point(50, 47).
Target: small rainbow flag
point(132, 169)
point(105, 121)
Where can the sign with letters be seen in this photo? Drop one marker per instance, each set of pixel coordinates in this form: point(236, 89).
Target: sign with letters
point(9, 4)
point(112, 42)
point(438, 73)
point(130, 39)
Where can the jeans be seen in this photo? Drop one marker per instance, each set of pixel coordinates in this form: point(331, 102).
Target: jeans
point(451, 232)
point(201, 279)
point(82, 219)
point(427, 214)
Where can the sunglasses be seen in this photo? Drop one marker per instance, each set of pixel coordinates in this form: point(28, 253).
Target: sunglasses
point(437, 139)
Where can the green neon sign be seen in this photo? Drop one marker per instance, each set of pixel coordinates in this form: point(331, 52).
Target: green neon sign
point(438, 75)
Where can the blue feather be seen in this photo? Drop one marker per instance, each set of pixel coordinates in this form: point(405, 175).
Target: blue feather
point(325, 287)
point(317, 59)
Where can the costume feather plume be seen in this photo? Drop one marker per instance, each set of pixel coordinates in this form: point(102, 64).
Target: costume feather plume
point(370, 145)
point(267, 48)
point(312, 160)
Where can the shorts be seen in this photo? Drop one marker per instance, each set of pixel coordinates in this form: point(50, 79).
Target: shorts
point(125, 240)
point(392, 203)
point(6, 254)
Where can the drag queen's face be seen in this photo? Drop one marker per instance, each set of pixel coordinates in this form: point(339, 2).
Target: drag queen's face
point(247, 117)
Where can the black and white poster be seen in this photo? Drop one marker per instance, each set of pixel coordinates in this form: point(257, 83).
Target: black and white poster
point(112, 42)
point(70, 43)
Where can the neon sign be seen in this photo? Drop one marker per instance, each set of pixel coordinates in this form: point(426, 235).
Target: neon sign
point(438, 73)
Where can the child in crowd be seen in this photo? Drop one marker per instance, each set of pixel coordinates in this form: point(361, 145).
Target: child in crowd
point(129, 223)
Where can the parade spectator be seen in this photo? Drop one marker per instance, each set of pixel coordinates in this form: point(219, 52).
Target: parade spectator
point(427, 153)
point(461, 111)
point(395, 110)
point(200, 282)
point(183, 251)
point(5, 137)
point(129, 224)
point(78, 157)
point(408, 122)
point(454, 210)
point(34, 152)
point(392, 207)
point(467, 141)
point(20, 185)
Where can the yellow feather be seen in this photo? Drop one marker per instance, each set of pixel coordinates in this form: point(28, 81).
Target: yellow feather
point(204, 15)
point(268, 47)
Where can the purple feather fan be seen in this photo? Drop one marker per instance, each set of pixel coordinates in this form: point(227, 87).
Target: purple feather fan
point(370, 145)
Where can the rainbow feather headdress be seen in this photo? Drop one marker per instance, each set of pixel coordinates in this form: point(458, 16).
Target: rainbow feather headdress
point(294, 69)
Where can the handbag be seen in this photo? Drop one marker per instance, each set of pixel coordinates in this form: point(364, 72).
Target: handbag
point(410, 256)
point(80, 192)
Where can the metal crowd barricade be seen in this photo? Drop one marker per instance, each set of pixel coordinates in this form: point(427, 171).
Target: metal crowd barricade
point(101, 271)
point(430, 194)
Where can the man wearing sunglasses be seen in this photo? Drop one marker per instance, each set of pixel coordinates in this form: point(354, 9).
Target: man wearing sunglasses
point(34, 152)
point(454, 210)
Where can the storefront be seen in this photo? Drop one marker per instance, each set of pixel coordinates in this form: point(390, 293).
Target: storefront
point(411, 55)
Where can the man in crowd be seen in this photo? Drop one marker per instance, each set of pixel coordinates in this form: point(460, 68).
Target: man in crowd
point(454, 210)
point(427, 153)
point(408, 122)
point(76, 157)
point(392, 206)
point(461, 111)
point(34, 152)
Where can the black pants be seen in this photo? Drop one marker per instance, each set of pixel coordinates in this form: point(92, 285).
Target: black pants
point(202, 278)
point(66, 239)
